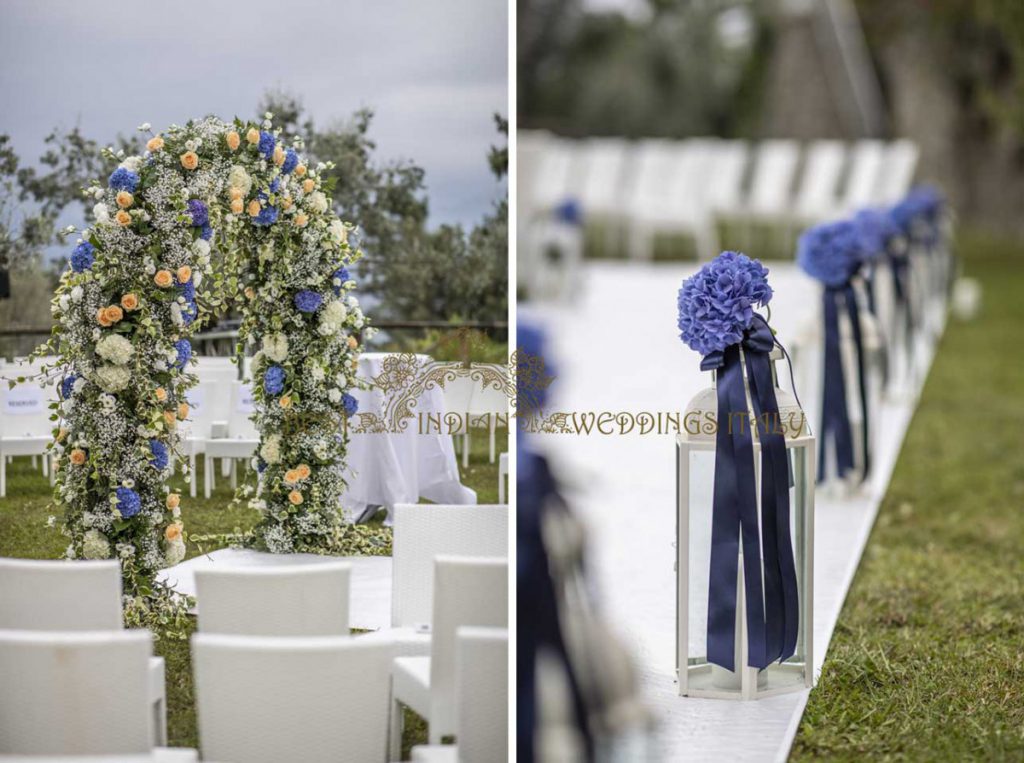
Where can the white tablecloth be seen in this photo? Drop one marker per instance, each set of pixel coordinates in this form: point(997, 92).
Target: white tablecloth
point(385, 469)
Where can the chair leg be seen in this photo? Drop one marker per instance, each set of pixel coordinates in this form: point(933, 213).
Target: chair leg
point(465, 448)
point(3, 475)
point(159, 724)
point(53, 470)
point(192, 480)
point(493, 427)
point(46, 464)
point(234, 473)
point(207, 476)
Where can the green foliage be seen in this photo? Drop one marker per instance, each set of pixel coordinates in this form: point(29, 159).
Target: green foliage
point(925, 663)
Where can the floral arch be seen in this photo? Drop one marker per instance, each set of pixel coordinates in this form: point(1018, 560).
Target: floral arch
point(142, 279)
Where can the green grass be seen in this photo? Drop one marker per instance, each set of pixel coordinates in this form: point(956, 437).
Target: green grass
point(927, 661)
point(24, 533)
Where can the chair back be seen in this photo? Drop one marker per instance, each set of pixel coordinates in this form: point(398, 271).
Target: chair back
point(240, 425)
point(25, 410)
point(723, 193)
point(75, 693)
point(202, 403)
point(481, 693)
point(862, 178)
point(51, 595)
point(423, 531)
point(266, 700)
point(774, 173)
point(305, 600)
point(467, 591)
point(486, 398)
point(603, 163)
point(816, 196)
point(897, 174)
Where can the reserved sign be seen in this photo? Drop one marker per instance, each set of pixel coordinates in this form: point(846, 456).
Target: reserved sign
point(24, 401)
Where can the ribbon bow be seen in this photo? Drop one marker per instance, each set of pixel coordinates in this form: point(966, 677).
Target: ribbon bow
point(772, 605)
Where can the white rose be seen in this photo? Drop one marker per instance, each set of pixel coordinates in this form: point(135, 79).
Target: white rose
point(76, 294)
point(175, 552)
point(317, 372)
point(338, 231)
point(132, 163)
point(113, 378)
point(335, 311)
point(176, 314)
point(334, 395)
point(275, 347)
point(78, 386)
point(239, 178)
point(101, 213)
point(64, 302)
point(317, 201)
point(201, 247)
point(115, 348)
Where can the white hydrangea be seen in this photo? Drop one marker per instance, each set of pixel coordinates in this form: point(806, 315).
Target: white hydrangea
point(174, 552)
point(132, 163)
point(115, 348)
point(113, 378)
point(239, 178)
point(275, 347)
point(318, 202)
point(338, 231)
point(271, 450)
point(332, 317)
point(334, 395)
point(201, 247)
point(101, 213)
point(95, 545)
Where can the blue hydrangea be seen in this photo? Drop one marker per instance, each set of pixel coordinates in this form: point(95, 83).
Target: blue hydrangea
point(273, 380)
point(917, 214)
point(159, 456)
point(291, 161)
point(128, 503)
point(82, 257)
point(875, 228)
point(261, 465)
point(206, 233)
point(340, 275)
point(275, 184)
point(200, 215)
point(716, 304)
point(266, 144)
point(267, 216)
point(67, 386)
point(123, 180)
point(307, 301)
point(350, 404)
point(184, 349)
point(831, 252)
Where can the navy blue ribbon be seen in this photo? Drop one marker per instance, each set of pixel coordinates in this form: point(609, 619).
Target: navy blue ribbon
point(771, 588)
point(835, 418)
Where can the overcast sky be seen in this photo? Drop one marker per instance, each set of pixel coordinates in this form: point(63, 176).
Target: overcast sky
point(434, 71)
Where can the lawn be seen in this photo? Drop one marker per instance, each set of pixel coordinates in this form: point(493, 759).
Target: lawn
point(24, 533)
point(927, 661)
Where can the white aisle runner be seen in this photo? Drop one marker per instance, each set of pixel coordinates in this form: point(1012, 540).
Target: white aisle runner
point(618, 349)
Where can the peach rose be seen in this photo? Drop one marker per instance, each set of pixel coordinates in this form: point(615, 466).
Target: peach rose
point(155, 144)
point(173, 531)
point(184, 274)
point(77, 457)
point(170, 419)
point(300, 220)
point(308, 185)
point(173, 499)
point(237, 206)
point(253, 136)
point(254, 208)
point(183, 411)
point(285, 401)
point(353, 342)
point(161, 394)
point(101, 317)
point(123, 218)
point(291, 477)
point(124, 199)
point(163, 278)
point(295, 497)
point(234, 140)
point(113, 313)
point(62, 434)
point(250, 293)
point(278, 155)
point(234, 193)
point(130, 302)
point(303, 471)
point(189, 160)
point(286, 202)
point(300, 170)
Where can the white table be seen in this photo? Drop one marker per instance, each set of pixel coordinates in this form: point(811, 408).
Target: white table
point(400, 467)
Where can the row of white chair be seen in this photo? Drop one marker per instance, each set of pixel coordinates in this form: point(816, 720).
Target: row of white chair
point(640, 189)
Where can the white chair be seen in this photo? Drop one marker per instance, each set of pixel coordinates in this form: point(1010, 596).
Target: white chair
point(603, 164)
point(304, 600)
point(81, 693)
point(481, 700)
point(502, 476)
point(25, 426)
point(862, 177)
point(158, 755)
point(198, 427)
point(270, 700)
point(467, 591)
point(423, 531)
point(816, 196)
point(723, 191)
point(235, 440)
point(47, 595)
point(897, 173)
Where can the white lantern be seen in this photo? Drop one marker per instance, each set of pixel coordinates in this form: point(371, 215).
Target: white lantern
point(695, 469)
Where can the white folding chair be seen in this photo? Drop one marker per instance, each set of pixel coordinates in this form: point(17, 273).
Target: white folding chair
point(80, 693)
point(502, 476)
point(862, 176)
point(423, 531)
point(897, 172)
point(304, 600)
point(25, 426)
point(817, 194)
point(195, 430)
point(266, 700)
point(467, 591)
point(48, 595)
point(490, 404)
point(603, 163)
point(481, 700)
point(234, 440)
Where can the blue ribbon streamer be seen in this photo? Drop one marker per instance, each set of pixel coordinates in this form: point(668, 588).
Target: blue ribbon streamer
point(772, 604)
